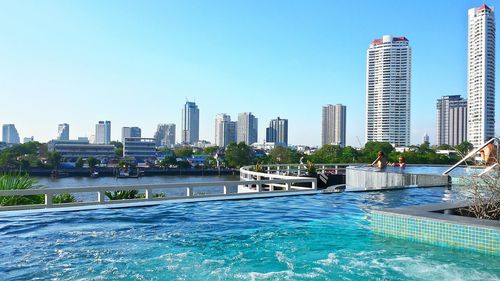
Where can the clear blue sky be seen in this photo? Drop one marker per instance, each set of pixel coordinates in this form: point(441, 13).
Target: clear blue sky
point(136, 62)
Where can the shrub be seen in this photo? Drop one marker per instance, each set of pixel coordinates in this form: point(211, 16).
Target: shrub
point(16, 181)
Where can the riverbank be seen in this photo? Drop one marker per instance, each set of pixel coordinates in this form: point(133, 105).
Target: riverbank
point(110, 172)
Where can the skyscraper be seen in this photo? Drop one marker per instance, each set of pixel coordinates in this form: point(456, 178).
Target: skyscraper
point(247, 128)
point(103, 132)
point(481, 75)
point(130, 132)
point(190, 123)
point(9, 134)
point(451, 120)
point(278, 132)
point(63, 132)
point(388, 81)
point(165, 135)
point(425, 138)
point(333, 125)
point(225, 130)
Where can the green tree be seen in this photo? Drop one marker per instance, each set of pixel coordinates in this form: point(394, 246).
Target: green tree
point(183, 151)
point(92, 162)
point(117, 144)
point(329, 153)
point(238, 155)
point(79, 162)
point(373, 147)
point(119, 152)
point(464, 148)
point(54, 159)
point(349, 155)
point(284, 155)
point(211, 150)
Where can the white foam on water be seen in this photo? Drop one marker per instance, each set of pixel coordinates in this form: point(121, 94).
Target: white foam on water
point(283, 259)
point(331, 259)
point(208, 261)
point(277, 275)
point(422, 269)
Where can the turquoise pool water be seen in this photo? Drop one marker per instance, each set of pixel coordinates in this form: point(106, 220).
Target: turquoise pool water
point(320, 237)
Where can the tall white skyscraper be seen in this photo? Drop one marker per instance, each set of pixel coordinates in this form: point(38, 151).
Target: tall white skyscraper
point(334, 125)
point(388, 90)
point(10, 134)
point(103, 132)
point(130, 132)
point(451, 120)
point(247, 128)
point(63, 131)
point(220, 119)
point(481, 75)
point(278, 132)
point(190, 123)
point(225, 130)
point(165, 135)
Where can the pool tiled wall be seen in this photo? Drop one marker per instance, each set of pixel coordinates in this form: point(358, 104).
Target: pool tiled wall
point(432, 231)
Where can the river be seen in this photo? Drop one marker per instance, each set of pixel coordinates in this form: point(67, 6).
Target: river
point(111, 181)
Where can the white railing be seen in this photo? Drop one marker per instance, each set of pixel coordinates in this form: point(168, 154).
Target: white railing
point(286, 185)
point(284, 171)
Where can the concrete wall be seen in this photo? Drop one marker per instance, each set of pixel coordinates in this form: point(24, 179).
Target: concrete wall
point(373, 179)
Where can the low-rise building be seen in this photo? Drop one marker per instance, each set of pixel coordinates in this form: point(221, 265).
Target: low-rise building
point(74, 149)
point(140, 149)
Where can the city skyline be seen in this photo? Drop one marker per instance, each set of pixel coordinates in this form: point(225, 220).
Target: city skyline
point(289, 68)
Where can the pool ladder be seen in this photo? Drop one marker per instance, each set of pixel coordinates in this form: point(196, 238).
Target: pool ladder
point(473, 153)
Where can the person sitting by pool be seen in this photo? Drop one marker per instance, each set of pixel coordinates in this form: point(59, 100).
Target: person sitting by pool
point(488, 154)
point(381, 162)
point(401, 163)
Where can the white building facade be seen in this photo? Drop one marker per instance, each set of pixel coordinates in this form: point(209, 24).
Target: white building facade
point(225, 130)
point(165, 135)
point(333, 125)
point(481, 75)
point(388, 91)
point(247, 128)
point(130, 132)
point(63, 131)
point(103, 132)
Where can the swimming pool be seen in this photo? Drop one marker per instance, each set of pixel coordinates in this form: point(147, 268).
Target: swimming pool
point(320, 237)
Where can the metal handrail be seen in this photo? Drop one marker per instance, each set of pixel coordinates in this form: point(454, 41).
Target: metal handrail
point(474, 152)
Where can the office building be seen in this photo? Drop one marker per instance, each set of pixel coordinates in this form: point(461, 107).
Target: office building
point(388, 88)
point(277, 132)
point(165, 135)
point(451, 120)
point(140, 149)
point(10, 134)
point(247, 128)
point(28, 139)
point(130, 132)
point(425, 138)
point(103, 132)
point(81, 148)
point(190, 123)
point(225, 130)
point(481, 75)
point(334, 125)
point(63, 131)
